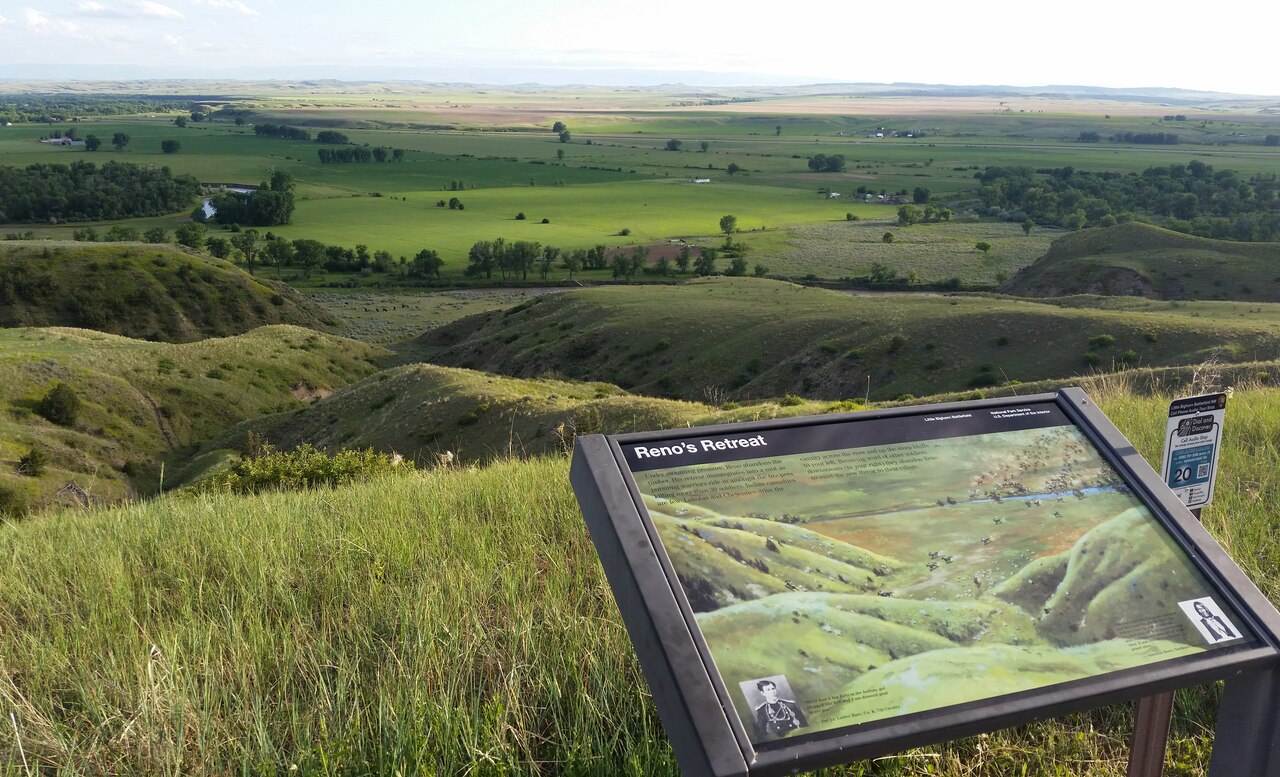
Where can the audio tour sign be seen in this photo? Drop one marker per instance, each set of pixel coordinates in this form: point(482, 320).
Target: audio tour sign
point(1192, 441)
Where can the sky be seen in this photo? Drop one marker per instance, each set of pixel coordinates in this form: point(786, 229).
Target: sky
point(1087, 42)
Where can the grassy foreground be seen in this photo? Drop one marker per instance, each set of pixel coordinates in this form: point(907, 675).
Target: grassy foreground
point(452, 622)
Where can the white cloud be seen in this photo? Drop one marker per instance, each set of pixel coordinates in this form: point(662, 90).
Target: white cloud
point(232, 5)
point(94, 8)
point(156, 10)
point(38, 21)
point(3, 20)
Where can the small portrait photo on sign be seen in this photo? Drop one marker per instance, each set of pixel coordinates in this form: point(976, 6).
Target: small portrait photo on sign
point(1210, 621)
point(775, 710)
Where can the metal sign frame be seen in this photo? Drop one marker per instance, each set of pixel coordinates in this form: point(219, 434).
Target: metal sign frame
point(705, 729)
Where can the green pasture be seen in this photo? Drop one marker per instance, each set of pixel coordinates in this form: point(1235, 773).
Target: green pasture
point(580, 216)
point(625, 179)
point(935, 252)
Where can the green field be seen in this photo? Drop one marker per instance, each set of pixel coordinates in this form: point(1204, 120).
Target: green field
point(616, 172)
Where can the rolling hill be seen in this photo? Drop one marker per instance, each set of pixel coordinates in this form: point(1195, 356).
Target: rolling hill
point(152, 292)
point(422, 411)
point(1135, 259)
point(736, 338)
point(139, 399)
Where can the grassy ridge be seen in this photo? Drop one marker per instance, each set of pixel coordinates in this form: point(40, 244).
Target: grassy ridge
point(422, 411)
point(750, 338)
point(155, 292)
point(141, 399)
point(1135, 259)
point(453, 622)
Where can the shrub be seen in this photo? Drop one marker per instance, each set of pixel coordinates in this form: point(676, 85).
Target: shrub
point(546, 221)
point(1150, 337)
point(730, 406)
point(1091, 359)
point(1101, 341)
point(13, 503)
point(624, 231)
point(60, 406)
point(1003, 340)
point(887, 237)
point(32, 462)
point(791, 400)
point(304, 467)
point(520, 216)
point(844, 406)
point(850, 217)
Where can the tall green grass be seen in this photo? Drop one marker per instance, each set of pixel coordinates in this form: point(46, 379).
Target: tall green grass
point(452, 622)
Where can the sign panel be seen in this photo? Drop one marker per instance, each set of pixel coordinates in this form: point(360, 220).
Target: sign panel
point(871, 578)
point(873, 569)
point(1192, 441)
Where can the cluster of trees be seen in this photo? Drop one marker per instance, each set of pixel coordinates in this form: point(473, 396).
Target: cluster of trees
point(1146, 138)
point(360, 154)
point(822, 163)
point(281, 131)
point(53, 109)
point(83, 191)
point(914, 214)
point(252, 248)
point(1192, 198)
point(332, 136)
point(517, 259)
point(562, 131)
point(271, 204)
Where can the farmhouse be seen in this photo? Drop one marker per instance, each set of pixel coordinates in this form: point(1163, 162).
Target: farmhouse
point(702, 180)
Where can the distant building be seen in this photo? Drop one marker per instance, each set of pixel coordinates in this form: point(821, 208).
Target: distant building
point(702, 180)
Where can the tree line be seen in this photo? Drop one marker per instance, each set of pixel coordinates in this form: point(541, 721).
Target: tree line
point(283, 131)
point(1193, 198)
point(49, 109)
point(83, 191)
point(360, 154)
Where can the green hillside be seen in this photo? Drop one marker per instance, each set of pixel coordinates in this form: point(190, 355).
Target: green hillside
point(1134, 259)
point(737, 338)
point(432, 621)
point(139, 399)
point(423, 411)
point(151, 292)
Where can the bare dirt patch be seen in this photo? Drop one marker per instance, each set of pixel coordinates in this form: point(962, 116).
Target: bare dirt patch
point(305, 392)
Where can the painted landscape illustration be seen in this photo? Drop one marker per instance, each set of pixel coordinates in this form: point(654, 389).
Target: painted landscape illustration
point(984, 565)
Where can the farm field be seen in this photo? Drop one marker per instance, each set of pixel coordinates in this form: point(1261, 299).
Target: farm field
point(616, 172)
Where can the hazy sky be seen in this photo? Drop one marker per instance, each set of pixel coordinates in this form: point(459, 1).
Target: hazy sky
point(1115, 43)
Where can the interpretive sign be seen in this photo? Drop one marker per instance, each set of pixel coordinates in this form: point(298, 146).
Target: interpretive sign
point(1191, 445)
point(813, 591)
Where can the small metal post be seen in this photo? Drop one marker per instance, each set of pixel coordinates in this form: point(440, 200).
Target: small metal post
point(1247, 738)
point(1152, 716)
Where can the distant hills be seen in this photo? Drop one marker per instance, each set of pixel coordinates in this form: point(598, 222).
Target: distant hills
point(147, 291)
point(1135, 259)
point(177, 78)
